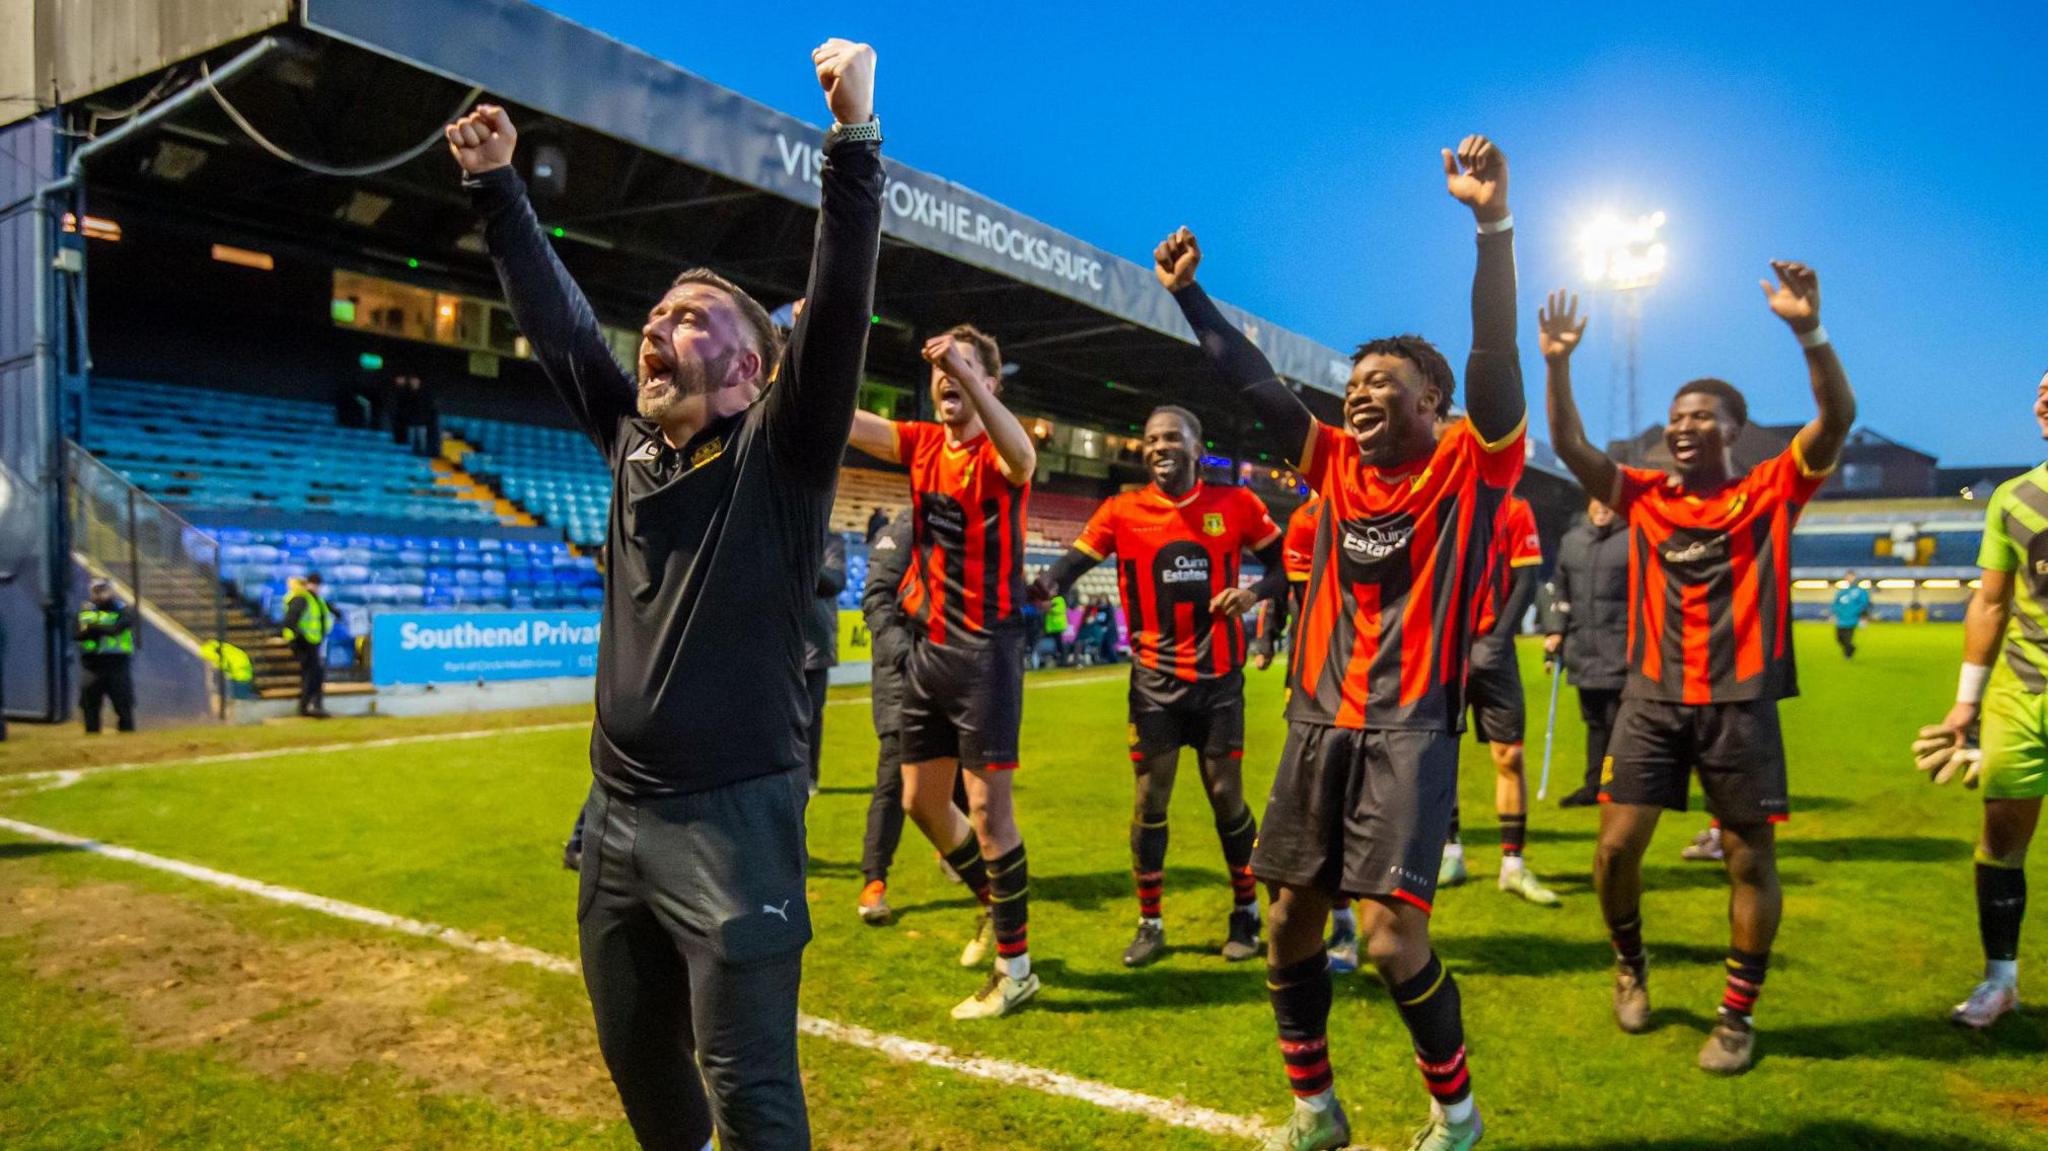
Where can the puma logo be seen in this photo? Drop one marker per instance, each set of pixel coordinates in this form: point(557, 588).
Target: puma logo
point(780, 912)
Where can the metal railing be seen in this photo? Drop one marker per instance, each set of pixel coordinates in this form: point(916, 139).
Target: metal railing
point(167, 564)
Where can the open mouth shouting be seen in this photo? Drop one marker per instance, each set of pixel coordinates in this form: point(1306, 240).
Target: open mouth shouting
point(1686, 450)
point(1367, 423)
point(951, 402)
point(657, 374)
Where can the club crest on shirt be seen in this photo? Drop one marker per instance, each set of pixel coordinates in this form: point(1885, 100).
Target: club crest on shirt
point(708, 451)
point(1212, 523)
point(645, 453)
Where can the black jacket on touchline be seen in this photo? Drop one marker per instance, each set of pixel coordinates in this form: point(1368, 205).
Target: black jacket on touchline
point(888, 630)
point(821, 624)
point(1589, 604)
point(712, 549)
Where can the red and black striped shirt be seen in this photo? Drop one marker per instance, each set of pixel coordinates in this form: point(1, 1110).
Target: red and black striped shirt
point(1394, 588)
point(1710, 583)
point(1516, 544)
point(1173, 557)
point(966, 574)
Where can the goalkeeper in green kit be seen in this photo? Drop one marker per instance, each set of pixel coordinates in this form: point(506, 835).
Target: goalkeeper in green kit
point(2010, 609)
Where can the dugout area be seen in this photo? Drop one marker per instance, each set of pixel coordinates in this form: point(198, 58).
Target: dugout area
point(254, 198)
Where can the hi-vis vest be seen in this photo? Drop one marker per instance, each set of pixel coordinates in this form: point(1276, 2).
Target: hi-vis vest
point(315, 621)
point(120, 643)
point(231, 660)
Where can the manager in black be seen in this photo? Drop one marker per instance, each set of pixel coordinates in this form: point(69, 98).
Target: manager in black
point(724, 450)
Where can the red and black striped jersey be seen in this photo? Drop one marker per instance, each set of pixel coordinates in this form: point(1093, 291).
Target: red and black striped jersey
point(1393, 591)
point(1298, 546)
point(966, 573)
point(1173, 557)
point(1516, 544)
point(1710, 583)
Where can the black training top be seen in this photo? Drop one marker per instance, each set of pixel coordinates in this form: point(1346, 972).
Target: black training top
point(711, 550)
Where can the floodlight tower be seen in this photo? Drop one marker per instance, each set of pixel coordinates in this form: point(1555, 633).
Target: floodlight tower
point(1624, 258)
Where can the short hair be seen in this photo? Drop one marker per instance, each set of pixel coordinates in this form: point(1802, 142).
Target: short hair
point(985, 349)
point(767, 337)
point(312, 577)
point(1729, 395)
point(1427, 360)
point(1182, 414)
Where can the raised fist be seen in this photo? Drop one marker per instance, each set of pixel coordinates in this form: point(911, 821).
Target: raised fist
point(1175, 259)
point(1559, 325)
point(953, 357)
point(483, 139)
point(1477, 176)
point(846, 71)
point(1796, 299)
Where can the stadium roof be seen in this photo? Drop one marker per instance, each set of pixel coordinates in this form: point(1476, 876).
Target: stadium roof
point(662, 168)
point(659, 169)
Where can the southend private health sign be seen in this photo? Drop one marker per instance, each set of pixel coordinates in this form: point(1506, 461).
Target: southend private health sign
point(446, 647)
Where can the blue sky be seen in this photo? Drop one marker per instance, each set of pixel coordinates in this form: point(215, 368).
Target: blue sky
point(1902, 151)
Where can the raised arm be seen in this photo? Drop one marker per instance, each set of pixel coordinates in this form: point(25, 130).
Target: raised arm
point(1560, 327)
point(1796, 300)
point(551, 310)
point(1476, 175)
point(875, 436)
point(809, 409)
point(1015, 452)
point(1242, 366)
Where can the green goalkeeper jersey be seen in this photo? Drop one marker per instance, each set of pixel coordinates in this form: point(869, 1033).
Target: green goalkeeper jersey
point(2016, 541)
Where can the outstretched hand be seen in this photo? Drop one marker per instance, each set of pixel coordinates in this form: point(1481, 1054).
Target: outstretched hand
point(482, 140)
point(1175, 259)
point(846, 71)
point(1559, 325)
point(1477, 177)
point(1796, 298)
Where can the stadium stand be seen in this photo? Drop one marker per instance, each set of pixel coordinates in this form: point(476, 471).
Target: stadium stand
point(211, 454)
point(379, 570)
point(555, 474)
point(225, 460)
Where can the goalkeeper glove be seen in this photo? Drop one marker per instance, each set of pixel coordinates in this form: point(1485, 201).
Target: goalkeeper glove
point(1941, 752)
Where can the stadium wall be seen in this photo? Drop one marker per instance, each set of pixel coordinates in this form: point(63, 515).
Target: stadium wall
point(30, 636)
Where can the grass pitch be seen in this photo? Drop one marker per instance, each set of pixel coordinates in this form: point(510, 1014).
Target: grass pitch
point(142, 1010)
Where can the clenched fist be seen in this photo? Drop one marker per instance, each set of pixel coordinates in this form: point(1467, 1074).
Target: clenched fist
point(1477, 177)
point(846, 71)
point(483, 140)
point(1175, 259)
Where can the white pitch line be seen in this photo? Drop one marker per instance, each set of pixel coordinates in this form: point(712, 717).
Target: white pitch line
point(895, 1047)
point(312, 749)
point(54, 780)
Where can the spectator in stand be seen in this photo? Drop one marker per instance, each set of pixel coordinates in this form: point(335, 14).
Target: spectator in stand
point(106, 645)
point(877, 520)
point(1586, 623)
point(415, 417)
point(821, 641)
